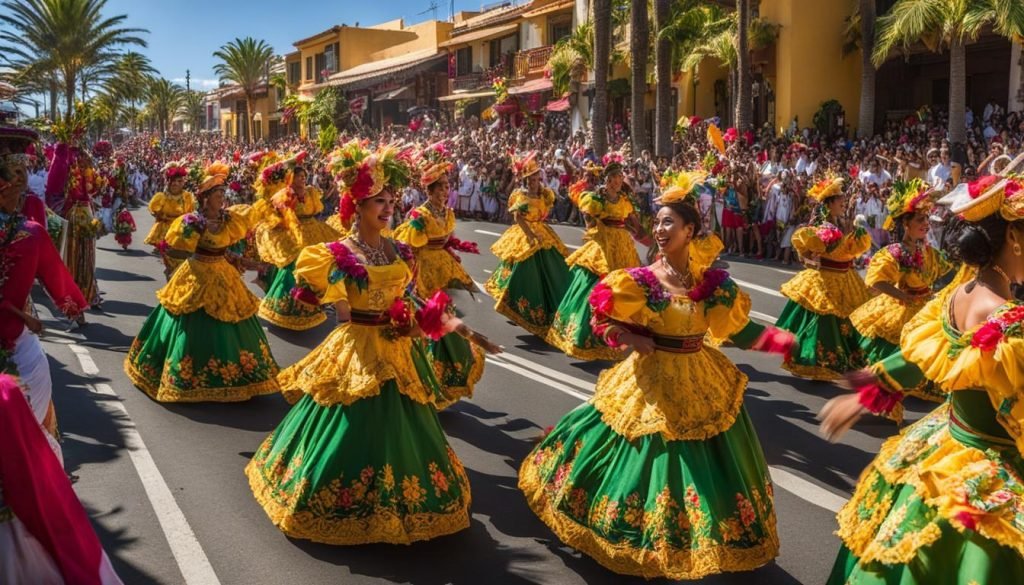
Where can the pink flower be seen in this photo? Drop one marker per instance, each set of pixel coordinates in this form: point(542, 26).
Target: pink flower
point(967, 519)
point(871, 395)
point(829, 235)
point(432, 316)
point(399, 313)
point(602, 300)
point(988, 336)
point(303, 294)
point(713, 279)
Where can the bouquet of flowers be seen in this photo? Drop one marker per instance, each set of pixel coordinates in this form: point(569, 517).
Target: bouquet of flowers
point(124, 225)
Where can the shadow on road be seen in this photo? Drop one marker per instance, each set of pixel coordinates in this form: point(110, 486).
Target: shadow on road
point(261, 414)
point(114, 275)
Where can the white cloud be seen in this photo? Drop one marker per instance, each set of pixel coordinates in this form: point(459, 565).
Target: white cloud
point(198, 83)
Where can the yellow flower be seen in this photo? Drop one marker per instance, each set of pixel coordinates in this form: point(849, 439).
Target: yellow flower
point(387, 480)
point(412, 493)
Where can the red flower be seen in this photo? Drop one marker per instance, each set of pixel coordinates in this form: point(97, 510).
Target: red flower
point(967, 519)
point(363, 183)
point(713, 279)
point(431, 317)
point(976, 188)
point(602, 300)
point(987, 337)
point(400, 315)
point(304, 295)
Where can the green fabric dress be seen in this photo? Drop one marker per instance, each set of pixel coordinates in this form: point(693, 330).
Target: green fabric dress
point(278, 306)
point(361, 457)
point(661, 474)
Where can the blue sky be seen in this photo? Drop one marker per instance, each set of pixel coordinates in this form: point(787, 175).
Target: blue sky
point(183, 34)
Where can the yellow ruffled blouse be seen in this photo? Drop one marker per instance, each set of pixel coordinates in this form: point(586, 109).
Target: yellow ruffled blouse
point(884, 316)
point(355, 360)
point(427, 234)
point(167, 208)
point(513, 246)
point(683, 396)
point(606, 247)
point(963, 482)
point(822, 290)
point(284, 231)
point(207, 280)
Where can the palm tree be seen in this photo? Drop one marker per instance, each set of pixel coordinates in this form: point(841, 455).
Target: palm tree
point(64, 36)
point(640, 45)
point(134, 72)
point(569, 62)
point(866, 117)
point(245, 62)
point(744, 93)
point(602, 57)
point(192, 108)
point(947, 23)
point(663, 81)
point(164, 100)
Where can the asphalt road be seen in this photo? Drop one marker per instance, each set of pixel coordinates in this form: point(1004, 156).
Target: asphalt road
point(165, 489)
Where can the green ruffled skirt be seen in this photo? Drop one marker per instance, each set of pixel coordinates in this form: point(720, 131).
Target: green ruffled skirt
point(279, 308)
point(196, 358)
point(377, 470)
point(529, 292)
point(651, 507)
point(458, 366)
point(570, 331)
point(827, 346)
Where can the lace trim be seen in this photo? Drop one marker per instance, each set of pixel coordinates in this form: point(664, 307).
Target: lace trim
point(819, 373)
point(167, 393)
point(293, 322)
point(664, 561)
point(827, 293)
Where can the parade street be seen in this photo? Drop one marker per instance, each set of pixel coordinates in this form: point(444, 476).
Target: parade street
point(164, 483)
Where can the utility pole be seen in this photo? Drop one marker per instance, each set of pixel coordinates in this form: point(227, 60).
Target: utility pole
point(188, 80)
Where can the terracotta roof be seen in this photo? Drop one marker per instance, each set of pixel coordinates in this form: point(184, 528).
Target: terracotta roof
point(479, 35)
point(367, 73)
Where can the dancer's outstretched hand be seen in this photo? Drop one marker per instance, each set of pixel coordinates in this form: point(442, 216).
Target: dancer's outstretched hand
point(839, 415)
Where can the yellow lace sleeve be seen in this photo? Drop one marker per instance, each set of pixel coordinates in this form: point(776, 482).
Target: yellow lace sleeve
point(188, 201)
point(313, 269)
point(727, 310)
point(156, 204)
point(549, 198)
point(315, 197)
point(413, 230)
point(591, 204)
point(180, 237)
point(628, 299)
point(517, 202)
point(854, 243)
point(883, 268)
point(240, 221)
point(704, 251)
point(806, 241)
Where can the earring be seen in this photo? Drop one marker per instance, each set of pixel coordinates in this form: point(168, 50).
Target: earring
point(1016, 250)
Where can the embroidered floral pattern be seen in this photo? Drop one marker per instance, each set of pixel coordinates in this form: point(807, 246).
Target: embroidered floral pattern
point(657, 297)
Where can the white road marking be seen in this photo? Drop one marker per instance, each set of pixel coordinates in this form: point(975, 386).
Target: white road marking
point(806, 490)
point(546, 371)
point(538, 378)
point(192, 561)
point(480, 286)
point(786, 480)
point(759, 288)
point(488, 271)
point(487, 233)
point(763, 317)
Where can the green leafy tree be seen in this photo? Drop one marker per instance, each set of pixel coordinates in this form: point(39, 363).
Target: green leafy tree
point(245, 62)
point(164, 100)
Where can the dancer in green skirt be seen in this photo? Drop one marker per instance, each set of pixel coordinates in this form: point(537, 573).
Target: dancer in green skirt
point(612, 225)
point(203, 342)
point(943, 503)
point(288, 224)
point(661, 473)
point(822, 296)
point(532, 276)
point(361, 457)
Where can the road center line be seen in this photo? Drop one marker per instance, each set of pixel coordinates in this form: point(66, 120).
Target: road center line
point(192, 561)
point(537, 377)
point(763, 317)
point(546, 371)
point(759, 288)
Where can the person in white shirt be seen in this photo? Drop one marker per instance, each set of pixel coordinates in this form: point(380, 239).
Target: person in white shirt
point(941, 171)
point(467, 189)
point(875, 175)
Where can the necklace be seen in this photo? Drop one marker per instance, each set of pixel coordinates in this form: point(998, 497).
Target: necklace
point(437, 213)
point(674, 274)
point(1000, 272)
point(375, 256)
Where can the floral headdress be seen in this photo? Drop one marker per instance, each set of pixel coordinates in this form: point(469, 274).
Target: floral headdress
point(830, 186)
point(991, 194)
point(612, 163)
point(397, 163)
point(291, 163)
point(20, 142)
point(271, 173)
point(907, 197)
point(175, 169)
point(358, 174)
point(214, 175)
point(102, 149)
point(679, 186)
point(433, 164)
point(525, 165)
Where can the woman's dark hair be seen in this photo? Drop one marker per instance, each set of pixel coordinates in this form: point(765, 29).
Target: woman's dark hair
point(688, 211)
point(976, 243)
point(6, 173)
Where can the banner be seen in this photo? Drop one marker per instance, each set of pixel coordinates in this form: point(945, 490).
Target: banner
point(358, 104)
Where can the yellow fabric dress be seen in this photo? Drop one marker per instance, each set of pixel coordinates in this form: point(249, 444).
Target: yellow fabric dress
point(438, 268)
point(203, 342)
point(289, 224)
point(167, 208)
point(361, 457)
point(880, 320)
point(946, 496)
point(661, 473)
point(531, 279)
point(821, 301)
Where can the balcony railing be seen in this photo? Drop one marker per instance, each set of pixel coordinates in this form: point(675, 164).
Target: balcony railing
point(530, 62)
point(469, 82)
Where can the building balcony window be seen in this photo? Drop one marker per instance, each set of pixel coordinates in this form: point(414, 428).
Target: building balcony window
point(530, 63)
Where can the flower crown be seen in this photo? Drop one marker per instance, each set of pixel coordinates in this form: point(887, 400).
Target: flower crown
point(679, 186)
point(830, 186)
point(432, 163)
point(175, 169)
point(907, 197)
point(525, 165)
point(214, 175)
point(359, 176)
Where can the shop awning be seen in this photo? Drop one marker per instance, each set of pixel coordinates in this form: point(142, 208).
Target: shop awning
point(469, 95)
point(561, 105)
point(480, 35)
point(368, 74)
point(402, 93)
point(533, 86)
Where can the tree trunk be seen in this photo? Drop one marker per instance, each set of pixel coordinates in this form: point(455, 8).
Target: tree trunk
point(639, 41)
point(248, 117)
point(69, 95)
point(602, 59)
point(744, 99)
point(663, 92)
point(957, 97)
point(53, 99)
point(866, 118)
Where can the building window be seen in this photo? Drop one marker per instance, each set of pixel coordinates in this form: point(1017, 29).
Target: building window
point(559, 31)
point(294, 73)
point(331, 58)
point(321, 67)
point(464, 61)
point(309, 69)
